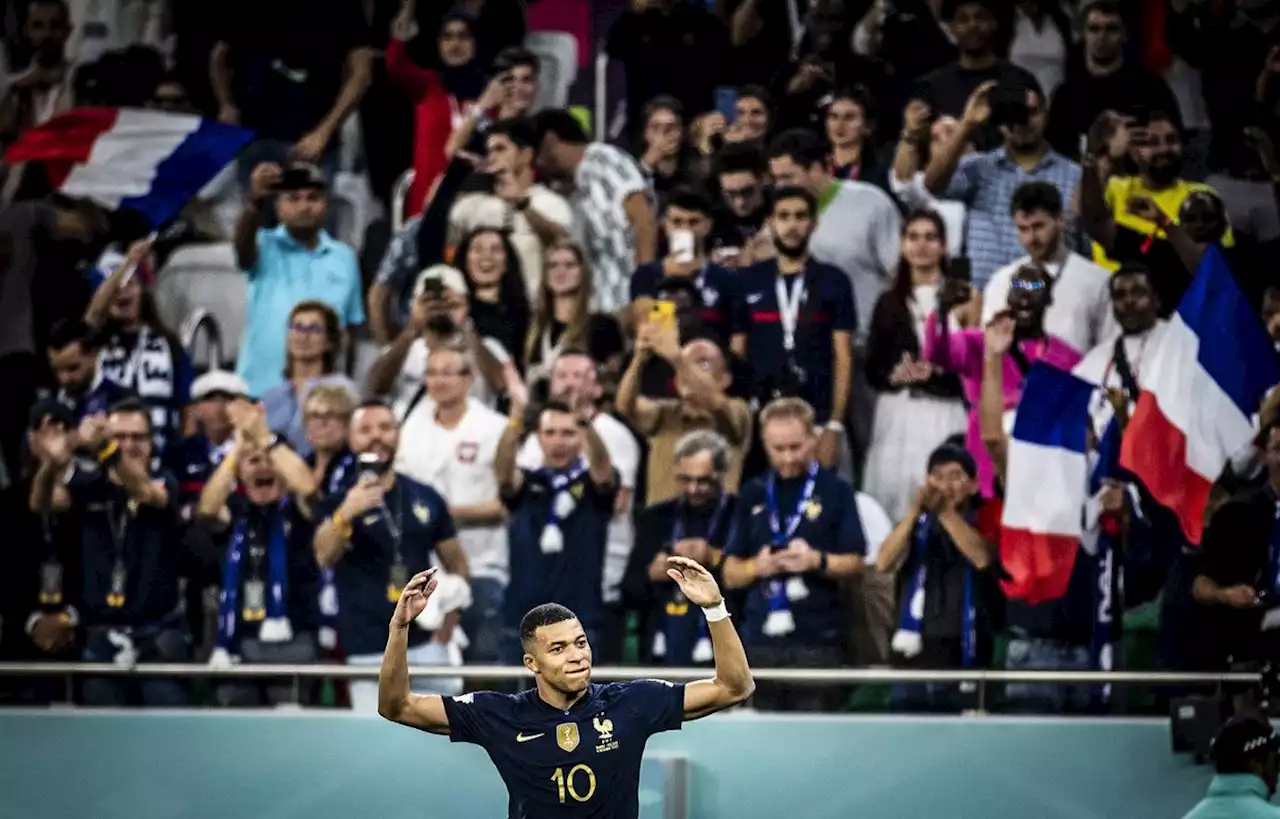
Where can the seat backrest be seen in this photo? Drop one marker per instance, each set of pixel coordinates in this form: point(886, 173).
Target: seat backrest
point(205, 276)
point(558, 52)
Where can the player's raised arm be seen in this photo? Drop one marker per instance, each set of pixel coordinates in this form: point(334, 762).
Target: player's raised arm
point(395, 701)
point(732, 683)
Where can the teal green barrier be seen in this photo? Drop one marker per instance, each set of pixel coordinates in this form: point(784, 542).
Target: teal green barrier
point(273, 765)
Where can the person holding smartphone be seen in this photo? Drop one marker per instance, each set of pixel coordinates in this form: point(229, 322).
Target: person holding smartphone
point(686, 223)
point(379, 529)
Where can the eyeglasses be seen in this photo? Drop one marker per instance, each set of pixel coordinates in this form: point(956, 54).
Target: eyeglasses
point(307, 329)
point(323, 415)
point(696, 480)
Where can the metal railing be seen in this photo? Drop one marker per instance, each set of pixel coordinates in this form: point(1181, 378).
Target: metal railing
point(981, 678)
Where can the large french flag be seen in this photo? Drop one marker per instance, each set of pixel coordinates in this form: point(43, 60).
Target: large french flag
point(151, 162)
point(1047, 474)
point(1199, 392)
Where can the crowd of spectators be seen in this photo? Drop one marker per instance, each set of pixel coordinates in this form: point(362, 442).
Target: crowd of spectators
point(818, 248)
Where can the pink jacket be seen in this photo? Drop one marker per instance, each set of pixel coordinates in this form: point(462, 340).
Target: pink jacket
point(963, 356)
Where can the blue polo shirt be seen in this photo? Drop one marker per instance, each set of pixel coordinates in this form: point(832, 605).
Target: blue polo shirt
point(717, 285)
point(829, 524)
point(147, 539)
point(572, 576)
point(286, 273)
point(826, 307)
point(362, 574)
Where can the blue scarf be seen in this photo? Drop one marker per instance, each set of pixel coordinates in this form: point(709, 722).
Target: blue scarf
point(908, 640)
point(779, 621)
point(551, 539)
point(1102, 638)
point(671, 641)
point(328, 635)
point(275, 627)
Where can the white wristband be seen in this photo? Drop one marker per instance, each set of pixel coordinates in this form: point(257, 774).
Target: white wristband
point(835, 426)
point(716, 613)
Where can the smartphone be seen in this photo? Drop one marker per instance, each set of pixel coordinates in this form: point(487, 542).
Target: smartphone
point(433, 288)
point(727, 101)
point(372, 466)
point(663, 313)
point(960, 269)
point(681, 245)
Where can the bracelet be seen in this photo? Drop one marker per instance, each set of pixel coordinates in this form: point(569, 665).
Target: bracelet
point(341, 524)
point(716, 613)
point(109, 453)
point(823, 562)
point(835, 426)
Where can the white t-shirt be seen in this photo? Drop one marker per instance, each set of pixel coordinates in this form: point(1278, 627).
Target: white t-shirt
point(625, 454)
point(876, 525)
point(413, 379)
point(458, 463)
point(1080, 313)
point(485, 210)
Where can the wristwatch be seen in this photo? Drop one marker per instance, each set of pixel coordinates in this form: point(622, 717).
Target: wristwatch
point(823, 561)
point(272, 442)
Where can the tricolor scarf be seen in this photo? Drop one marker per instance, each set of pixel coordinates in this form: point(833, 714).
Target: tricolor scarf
point(1102, 551)
point(275, 627)
point(908, 640)
point(328, 636)
point(562, 504)
point(779, 621)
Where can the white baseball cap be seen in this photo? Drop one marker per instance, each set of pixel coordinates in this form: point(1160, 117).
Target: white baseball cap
point(450, 277)
point(218, 381)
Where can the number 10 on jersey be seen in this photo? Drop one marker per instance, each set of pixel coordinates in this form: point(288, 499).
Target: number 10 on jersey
point(569, 782)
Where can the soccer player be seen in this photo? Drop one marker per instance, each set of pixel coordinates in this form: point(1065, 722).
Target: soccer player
point(567, 748)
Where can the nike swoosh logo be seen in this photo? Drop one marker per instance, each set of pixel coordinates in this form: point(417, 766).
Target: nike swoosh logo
point(523, 738)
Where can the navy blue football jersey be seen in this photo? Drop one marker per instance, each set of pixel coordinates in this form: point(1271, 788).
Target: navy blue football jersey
point(579, 763)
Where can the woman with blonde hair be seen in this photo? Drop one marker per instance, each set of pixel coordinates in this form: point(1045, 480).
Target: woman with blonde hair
point(562, 317)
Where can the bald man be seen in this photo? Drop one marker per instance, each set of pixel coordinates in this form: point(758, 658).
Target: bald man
point(702, 379)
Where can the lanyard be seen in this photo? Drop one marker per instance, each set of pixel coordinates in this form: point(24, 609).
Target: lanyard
point(780, 537)
point(395, 523)
point(789, 308)
point(717, 517)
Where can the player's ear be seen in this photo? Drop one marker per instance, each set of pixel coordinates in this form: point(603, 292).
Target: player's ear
point(530, 663)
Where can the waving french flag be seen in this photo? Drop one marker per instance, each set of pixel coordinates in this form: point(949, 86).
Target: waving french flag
point(1047, 472)
point(1199, 392)
point(152, 162)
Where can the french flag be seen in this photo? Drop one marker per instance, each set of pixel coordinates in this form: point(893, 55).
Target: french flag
point(152, 162)
point(1199, 392)
point(1048, 478)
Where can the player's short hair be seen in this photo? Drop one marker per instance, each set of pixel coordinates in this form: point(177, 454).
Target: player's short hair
point(335, 396)
point(562, 124)
point(787, 409)
point(801, 146)
point(519, 130)
point(689, 198)
point(548, 614)
point(66, 332)
point(793, 192)
point(515, 56)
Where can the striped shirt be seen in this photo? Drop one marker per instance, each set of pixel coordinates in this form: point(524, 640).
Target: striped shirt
point(604, 179)
point(986, 182)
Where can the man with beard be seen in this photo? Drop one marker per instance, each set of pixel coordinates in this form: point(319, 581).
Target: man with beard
point(1117, 362)
point(440, 317)
point(267, 610)
point(1080, 313)
point(1116, 210)
point(45, 87)
point(985, 181)
point(296, 261)
point(793, 318)
point(380, 529)
point(73, 357)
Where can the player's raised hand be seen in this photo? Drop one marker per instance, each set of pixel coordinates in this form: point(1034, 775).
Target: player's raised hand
point(695, 582)
point(413, 600)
